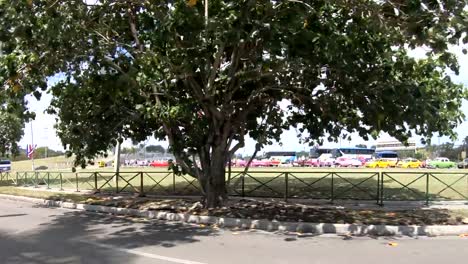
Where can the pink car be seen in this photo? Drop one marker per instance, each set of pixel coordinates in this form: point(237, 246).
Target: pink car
point(307, 163)
point(260, 163)
point(329, 162)
point(347, 162)
point(239, 163)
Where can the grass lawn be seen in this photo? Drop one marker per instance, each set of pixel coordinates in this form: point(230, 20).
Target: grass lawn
point(62, 196)
point(54, 163)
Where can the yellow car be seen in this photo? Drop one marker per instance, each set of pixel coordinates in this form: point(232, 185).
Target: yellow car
point(381, 163)
point(409, 163)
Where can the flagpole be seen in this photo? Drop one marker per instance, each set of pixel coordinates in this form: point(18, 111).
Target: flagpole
point(32, 145)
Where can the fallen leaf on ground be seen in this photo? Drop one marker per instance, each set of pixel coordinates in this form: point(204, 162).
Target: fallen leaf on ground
point(347, 236)
point(392, 244)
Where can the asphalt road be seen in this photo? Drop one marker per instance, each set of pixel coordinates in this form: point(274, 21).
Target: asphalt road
point(31, 234)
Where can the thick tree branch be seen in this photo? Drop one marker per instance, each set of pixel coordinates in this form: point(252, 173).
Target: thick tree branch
point(114, 65)
point(238, 146)
point(181, 159)
point(235, 59)
point(247, 166)
point(133, 27)
point(214, 69)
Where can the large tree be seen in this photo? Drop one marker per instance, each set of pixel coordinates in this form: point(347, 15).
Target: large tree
point(11, 131)
point(205, 79)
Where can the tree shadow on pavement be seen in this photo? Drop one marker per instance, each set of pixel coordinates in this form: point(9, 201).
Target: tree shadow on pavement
point(77, 237)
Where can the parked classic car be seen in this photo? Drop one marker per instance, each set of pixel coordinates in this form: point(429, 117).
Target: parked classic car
point(347, 162)
point(328, 162)
point(159, 163)
point(306, 163)
point(463, 164)
point(409, 163)
point(380, 163)
point(441, 162)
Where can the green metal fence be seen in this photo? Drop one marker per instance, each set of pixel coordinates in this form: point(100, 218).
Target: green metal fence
point(378, 186)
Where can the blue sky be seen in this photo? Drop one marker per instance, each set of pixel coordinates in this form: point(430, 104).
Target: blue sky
point(44, 133)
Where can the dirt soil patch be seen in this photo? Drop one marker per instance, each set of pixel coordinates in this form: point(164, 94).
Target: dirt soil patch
point(262, 209)
point(291, 212)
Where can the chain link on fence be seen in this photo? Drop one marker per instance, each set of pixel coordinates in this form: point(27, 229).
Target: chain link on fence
point(378, 186)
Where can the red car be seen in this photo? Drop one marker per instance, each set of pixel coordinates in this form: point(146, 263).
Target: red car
point(159, 164)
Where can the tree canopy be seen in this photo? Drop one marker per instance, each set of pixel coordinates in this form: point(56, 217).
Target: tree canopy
point(11, 131)
point(155, 149)
point(131, 69)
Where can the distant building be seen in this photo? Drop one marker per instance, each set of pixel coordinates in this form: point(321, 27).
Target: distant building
point(383, 145)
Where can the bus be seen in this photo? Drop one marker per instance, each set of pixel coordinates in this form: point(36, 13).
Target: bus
point(387, 155)
point(315, 153)
point(354, 153)
point(5, 165)
point(281, 156)
point(390, 157)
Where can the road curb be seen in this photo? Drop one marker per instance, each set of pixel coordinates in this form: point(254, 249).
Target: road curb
point(314, 228)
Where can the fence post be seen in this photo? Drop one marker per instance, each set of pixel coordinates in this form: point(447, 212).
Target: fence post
point(142, 190)
point(48, 180)
point(378, 189)
point(427, 189)
point(243, 184)
point(36, 179)
point(332, 189)
point(61, 182)
point(286, 186)
point(117, 182)
point(381, 188)
point(76, 179)
point(173, 183)
point(95, 183)
point(17, 182)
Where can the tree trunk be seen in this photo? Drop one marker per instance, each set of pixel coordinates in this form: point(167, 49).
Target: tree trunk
point(215, 184)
